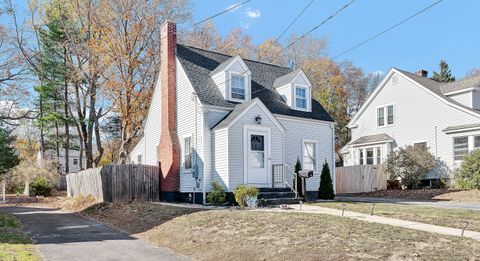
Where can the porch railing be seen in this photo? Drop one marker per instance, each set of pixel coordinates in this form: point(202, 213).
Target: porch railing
point(283, 176)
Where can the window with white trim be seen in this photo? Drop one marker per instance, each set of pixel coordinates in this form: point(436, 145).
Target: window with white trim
point(139, 159)
point(75, 161)
point(385, 115)
point(379, 155)
point(420, 145)
point(237, 87)
point(476, 142)
point(360, 160)
point(460, 147)
point(301, 98)
point(370, 156)
point(187, 153)
point(309, 156)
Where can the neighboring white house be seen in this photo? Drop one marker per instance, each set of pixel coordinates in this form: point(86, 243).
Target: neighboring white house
point(234, 120)
point(411, 109)
point(73, 160)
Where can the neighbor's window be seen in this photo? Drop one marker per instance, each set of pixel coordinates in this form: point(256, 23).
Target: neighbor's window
point(390, 114)
point(187, 154)
point(370, 156)
point(379, 155)
point(301, 97)
point(75, 161)
point(139, 159)
point(420, 145)
point(361, 157)
point(237, 85)
point(380, 116)
point(309, 156)
point(476, 142)
point(460, 147)
point(383, 120)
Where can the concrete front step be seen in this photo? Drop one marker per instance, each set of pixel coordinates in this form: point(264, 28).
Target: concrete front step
point(278, 201)
point(274, 190)
point(268, 195)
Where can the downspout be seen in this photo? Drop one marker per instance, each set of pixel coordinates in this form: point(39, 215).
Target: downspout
point(334, 178)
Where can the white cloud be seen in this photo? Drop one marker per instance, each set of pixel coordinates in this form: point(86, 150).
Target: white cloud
point(253, 13)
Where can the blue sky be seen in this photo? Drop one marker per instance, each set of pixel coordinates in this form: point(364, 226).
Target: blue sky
point(449, 30)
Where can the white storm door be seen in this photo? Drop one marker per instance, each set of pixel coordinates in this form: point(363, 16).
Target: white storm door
point(257, 158)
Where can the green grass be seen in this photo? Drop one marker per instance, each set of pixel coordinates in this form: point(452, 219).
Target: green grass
point(436, 216)
point(14, 244)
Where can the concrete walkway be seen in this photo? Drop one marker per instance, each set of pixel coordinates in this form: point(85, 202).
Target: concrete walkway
point(378, 219)
point(64, 236)
point(435, 204)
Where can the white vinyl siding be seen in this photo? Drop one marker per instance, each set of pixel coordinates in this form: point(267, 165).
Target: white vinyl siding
point(236, 145)
point(419, 115)
point(465, 98)
point(321, 132)
point(189, 124)
point(220, 173)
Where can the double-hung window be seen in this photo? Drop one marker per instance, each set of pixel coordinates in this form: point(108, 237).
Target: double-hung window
point(300, 98)
point(379, 155)
point(139, 159)
point(370, 156)
point(385, 116)
point(360, 161)
point(460, 147)
point(187, 153)
point(237, 84)
point(476, 142)
point(309, 156)
point(420, 145)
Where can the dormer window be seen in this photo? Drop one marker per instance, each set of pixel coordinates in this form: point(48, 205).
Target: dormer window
point(237, 87)
point(301, 97)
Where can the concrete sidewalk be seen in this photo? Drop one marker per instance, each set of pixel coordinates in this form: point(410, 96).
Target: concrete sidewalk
point(435, 204)
point(377, 219)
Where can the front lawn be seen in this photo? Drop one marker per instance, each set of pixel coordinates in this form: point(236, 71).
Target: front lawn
point(426, 194)
point(14, 245)
point(252, 235)
point(436, 216)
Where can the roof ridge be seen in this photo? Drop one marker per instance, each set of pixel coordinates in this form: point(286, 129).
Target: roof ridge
point(231, 56)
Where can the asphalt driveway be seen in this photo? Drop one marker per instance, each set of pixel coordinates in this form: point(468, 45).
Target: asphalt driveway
point(65, 236)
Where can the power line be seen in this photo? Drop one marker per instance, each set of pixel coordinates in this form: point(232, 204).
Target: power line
point(318, 26)
point(211, 17)
point(303, 36)
point(386, 30)
point(218, 14)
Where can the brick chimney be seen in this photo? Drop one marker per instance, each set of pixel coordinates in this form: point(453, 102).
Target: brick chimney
point(422, 73)
point(168, 150)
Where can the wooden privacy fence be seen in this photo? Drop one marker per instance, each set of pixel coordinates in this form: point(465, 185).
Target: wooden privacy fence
point(361, 178)
point(114, 183)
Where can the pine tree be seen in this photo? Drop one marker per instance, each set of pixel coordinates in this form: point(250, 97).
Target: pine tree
point(325, 191)
point(8, 155)
point(298, 168)
point(445, 74)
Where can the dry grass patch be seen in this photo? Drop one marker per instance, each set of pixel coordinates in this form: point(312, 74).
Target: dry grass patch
point(436, 216)
point(14, 244)
point(251, 235)
point(426, 194)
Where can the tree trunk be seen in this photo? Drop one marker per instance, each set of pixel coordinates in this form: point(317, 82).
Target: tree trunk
point(42, 132)
point(67, 129)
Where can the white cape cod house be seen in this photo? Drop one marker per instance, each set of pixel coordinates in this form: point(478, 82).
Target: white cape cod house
point(411, 109)
point(219, 118)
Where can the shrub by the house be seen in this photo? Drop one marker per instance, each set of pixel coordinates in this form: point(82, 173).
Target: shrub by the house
point(325, 191)
point(299, 180)
point(409, 165)
point(468, 175)
point(217, 196)
point(244, 192)
point(40, 187)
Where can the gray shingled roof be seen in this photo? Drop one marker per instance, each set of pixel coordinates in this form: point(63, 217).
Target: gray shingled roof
point(372, 138)
point(232, 115)
point(287, 78)
point(460, 85)
point(462, 127)
point(198, 64)
point(221, 67)
point(436, 87)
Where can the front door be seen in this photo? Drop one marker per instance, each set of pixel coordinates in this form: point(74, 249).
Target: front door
point(257, 158)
